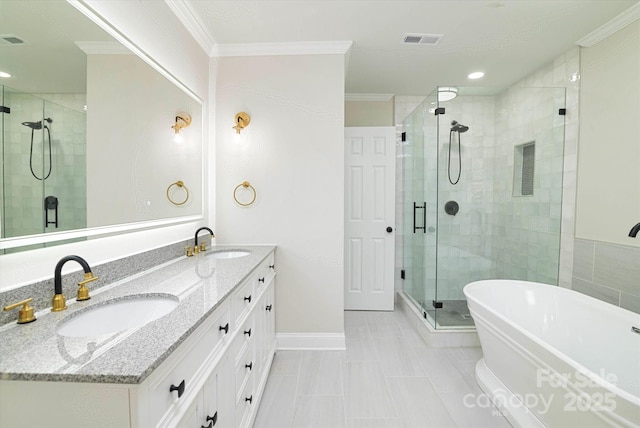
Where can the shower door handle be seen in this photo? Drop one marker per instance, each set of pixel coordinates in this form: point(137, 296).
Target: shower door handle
point(424, 217)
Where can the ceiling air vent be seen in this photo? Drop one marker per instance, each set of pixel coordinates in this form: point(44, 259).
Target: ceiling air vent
point(421, 39)
point(10, 39)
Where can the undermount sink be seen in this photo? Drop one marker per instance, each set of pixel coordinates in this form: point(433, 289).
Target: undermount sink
point(228, 254)
point(117, 315)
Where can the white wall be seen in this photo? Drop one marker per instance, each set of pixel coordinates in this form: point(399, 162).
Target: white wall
point(152, 26)
point(292, 153)
point(369, 113)
point(608, 198)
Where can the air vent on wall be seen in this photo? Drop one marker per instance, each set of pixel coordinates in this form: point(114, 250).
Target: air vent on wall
point(421, 39)
point(10, 39)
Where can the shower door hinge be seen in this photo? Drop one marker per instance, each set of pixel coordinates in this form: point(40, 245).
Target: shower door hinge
point(436, 304)
point(5, 109)
point(439, 110)
point(402, 274)
point(562, 111)
point(403, 136)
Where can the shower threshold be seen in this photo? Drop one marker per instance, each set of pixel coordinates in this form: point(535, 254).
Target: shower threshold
point(454, 314)
point(441, 337)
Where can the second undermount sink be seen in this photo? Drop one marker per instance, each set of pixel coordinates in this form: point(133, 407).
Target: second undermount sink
point(117, 315)
point(228, 254)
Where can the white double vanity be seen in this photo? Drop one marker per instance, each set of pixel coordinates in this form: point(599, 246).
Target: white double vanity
point(203, 363)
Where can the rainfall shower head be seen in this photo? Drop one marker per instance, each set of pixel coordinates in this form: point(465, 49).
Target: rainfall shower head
point(33, 125)
point(458, 127)
point(38, 124)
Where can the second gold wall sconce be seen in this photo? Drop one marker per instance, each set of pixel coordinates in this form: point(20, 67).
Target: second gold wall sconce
point(241, 121)
point(182, 121)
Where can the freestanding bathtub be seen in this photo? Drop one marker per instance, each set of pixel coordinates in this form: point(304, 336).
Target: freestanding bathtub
point(555, 357)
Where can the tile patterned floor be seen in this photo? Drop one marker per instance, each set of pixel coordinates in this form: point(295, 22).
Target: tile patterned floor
point(387, 377)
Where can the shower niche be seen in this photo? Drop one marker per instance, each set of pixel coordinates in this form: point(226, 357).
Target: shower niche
point(503, 168)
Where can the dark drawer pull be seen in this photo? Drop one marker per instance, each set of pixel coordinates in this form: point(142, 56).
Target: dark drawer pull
point(268, 308)
point(225, 328)
point(179, 388)
point(272, 266)
point(212, 421)
point(249, 399)
point(249, 366)
point(248, 299)
point(261, 279)
point(248, 332)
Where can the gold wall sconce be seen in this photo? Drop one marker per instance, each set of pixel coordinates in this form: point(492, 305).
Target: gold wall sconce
point(182, 121)
point(242, 121)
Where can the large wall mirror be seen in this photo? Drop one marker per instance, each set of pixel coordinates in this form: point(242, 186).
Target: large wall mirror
point(86, 140)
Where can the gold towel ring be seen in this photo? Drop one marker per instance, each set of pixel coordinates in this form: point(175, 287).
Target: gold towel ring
point(178, 184)
point(246, 185)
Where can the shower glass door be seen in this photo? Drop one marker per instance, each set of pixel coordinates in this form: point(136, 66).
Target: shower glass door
point(420, 221)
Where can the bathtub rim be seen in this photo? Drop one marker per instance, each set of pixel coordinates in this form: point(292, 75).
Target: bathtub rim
point(556, 353)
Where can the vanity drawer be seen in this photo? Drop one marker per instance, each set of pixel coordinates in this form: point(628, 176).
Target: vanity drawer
point(265, 272)
point(246, 402)
point(174, 383)
point(245, 366)
point(242, 300)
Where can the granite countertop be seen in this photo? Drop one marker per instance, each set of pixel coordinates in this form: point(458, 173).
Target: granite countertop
point(35, 352)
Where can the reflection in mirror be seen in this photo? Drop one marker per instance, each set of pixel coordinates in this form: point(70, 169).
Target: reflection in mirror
point(85, 134)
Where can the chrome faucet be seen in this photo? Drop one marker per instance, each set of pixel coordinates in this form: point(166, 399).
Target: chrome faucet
point(203, 246)
point(59, 302)
point(634, 231)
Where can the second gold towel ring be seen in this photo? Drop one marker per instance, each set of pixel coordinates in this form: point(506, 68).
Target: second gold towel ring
point(178, 184)
point(246, 185)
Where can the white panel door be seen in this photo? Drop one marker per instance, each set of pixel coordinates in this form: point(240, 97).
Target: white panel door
point(370, 218)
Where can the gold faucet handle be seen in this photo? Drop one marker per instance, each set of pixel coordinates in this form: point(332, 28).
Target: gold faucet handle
point(83, 291)
point(203, 246)
point(189, 251)
point(25, 315)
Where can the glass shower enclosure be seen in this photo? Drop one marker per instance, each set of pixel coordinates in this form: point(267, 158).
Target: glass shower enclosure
point(482, 178)
point(43, 164)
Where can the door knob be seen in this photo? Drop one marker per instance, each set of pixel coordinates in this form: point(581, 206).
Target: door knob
point(389, 229)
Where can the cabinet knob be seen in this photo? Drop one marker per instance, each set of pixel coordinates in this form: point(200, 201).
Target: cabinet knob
point(249, 366)
point(179, 388)
point(268, 308)
point(248, 332)
point(225, 328)
point(248, 299)
point(272, 266)
point(261, 279)
point(249, 399)
point(212, 421)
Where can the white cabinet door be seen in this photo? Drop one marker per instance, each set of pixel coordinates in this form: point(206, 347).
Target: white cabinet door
point(370, 218)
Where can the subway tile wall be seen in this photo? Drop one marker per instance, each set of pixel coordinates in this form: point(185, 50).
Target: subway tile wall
point(608, 272)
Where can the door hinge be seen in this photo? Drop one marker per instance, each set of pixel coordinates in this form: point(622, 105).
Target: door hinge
point(402, 274)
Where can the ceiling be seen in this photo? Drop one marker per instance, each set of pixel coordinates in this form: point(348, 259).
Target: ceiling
point(507, 39)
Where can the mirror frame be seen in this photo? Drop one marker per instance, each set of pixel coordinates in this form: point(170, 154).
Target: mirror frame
point(43, 238)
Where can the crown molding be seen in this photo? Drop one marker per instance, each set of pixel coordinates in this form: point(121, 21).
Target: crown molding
point(368, 97)
point(625, 18)
point(185, 14)
point(290, 48)
point(103, 48)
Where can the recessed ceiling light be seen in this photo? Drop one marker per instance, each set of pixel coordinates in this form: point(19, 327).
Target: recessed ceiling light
point(4, 74)
point(476, 75)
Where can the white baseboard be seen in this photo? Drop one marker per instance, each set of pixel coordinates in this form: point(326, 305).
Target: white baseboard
point(311, 341)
